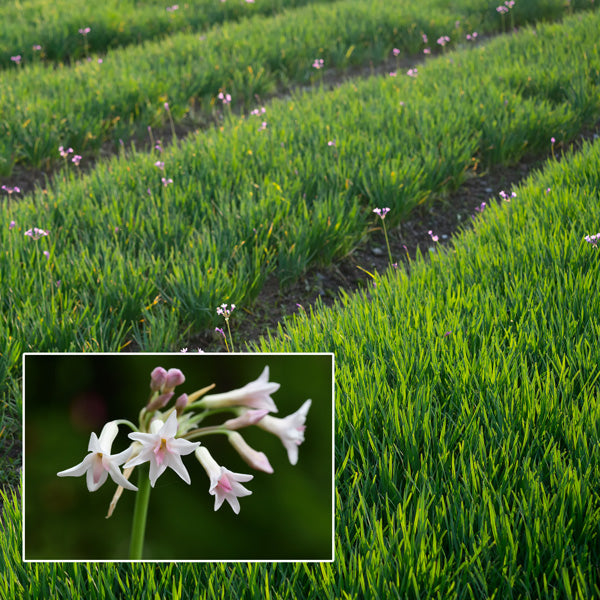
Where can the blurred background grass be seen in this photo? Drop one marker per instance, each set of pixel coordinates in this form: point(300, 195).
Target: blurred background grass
point(289, 515)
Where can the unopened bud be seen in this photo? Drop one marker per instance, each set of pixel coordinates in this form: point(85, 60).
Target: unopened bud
point(174, 378)
point(158, 377)
point(247, 418)
point(181, 402)
point(159, 402)
point(257, 460)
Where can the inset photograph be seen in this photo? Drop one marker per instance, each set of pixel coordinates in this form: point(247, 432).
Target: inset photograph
point(186, 457)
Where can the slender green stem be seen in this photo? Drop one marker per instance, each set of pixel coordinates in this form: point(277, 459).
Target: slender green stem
point(140, 512)
point(387, 242)
point(230, 338)
point(126, 422)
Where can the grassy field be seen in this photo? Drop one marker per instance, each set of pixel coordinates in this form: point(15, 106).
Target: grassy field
point(467, 409)
point(86, 105)
point(467, 432)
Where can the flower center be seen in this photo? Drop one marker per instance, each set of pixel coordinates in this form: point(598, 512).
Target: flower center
point(160, 451)
point(225, 484)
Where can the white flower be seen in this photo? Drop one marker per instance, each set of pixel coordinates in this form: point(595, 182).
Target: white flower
point(162, 449)
point(290, 430)
point(256, 394)
point(99, 464)
point(224, 485)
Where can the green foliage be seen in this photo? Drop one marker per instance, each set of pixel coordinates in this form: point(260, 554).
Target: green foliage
point(54, 25)
point(89, 104)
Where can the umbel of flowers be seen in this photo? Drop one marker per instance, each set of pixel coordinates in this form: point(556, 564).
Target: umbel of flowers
point(167, 431)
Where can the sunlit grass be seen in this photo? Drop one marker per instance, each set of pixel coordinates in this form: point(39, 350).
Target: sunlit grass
point(467, 425)
point(89, 104)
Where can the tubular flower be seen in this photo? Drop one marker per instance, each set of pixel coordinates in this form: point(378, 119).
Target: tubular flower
point(256, 394)
point(290, 430)
point(257, 460)
point(162, 449)
point(99, 464)
point(224, 484)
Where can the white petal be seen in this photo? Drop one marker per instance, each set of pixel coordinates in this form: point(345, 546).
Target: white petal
point(174, 461)
point(119, 478)
point(108, 435)
point(182, 446)
point(169, 429)
point(79, 469)
point(91, 485)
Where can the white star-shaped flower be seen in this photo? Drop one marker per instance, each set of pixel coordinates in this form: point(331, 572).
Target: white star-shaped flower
point(100, 463)
point(162, 449)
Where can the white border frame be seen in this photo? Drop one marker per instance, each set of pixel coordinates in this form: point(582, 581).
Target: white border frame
point(123, 354)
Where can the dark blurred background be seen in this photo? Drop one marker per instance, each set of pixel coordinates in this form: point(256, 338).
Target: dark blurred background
point(288, 516)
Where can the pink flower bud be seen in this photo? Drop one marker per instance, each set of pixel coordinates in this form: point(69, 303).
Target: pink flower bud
point(159, 402)
point(174, 378)
point(181, 402)
point(158, 377)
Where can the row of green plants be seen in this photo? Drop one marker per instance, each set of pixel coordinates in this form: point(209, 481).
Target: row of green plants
point(467, 424)
point(44, 30)
point(192, 79)
point(164, 238)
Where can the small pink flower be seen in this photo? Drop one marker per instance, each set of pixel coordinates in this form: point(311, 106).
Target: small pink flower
point(392, 73)
point(64, 153)
point(225, 98)
point(263, 126)
point(166, 181)
point(16, 59)
point(424, 38)
point(37, 48)
point(290, 430)
point(11, 225)
point(84, 31)
point(160, 164)
point(505, 196)
point(442, 41)
point(502, 10)
point(256, 112)
point(412, 72)
point(162, 449)
point(13, 190)
point(426, 50)
point(331, 143)
point(36, 233)
point(435, 238)
point(318, 64)
point(381, 212)
point(76, 159)
point(46, 254)
point(224, 484)
point(173, 8)
point(472, 36)
point(395, 51)
point(552, 140)
point(100, 463)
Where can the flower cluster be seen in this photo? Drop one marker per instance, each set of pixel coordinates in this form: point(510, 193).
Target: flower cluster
point(318, 63)
point(506, 197)
point(224, 311)
point(224, 97)
point(381, 211)
point(13, 190)
point(164, 435)
point(593, 239)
